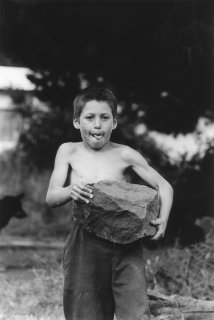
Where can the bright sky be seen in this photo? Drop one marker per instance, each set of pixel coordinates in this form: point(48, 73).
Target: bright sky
point(15, 78)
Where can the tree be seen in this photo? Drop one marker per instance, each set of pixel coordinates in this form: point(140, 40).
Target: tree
point(143, 49)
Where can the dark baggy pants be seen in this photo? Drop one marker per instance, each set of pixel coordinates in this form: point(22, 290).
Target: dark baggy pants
point(102, 278)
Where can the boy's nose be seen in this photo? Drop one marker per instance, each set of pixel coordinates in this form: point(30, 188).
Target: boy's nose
point(97, 123)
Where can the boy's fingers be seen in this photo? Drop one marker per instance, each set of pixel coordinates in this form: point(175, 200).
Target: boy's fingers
point(156, 222)
point(83, 187)
point(81, 192)
point(158, 235)
point(155, 237)
point(76, 196)
point(87, 190)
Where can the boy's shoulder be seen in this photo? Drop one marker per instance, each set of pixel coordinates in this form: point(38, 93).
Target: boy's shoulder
point(124, 150)
point(120, 147)
point(127, 153)
point(68, 148)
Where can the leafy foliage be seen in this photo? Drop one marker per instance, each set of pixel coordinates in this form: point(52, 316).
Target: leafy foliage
point(44, 134)
point(142, 48)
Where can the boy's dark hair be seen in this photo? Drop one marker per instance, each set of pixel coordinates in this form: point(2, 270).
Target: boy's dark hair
point(94, 93)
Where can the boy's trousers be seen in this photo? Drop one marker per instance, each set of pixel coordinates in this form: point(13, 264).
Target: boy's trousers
point(102, 278)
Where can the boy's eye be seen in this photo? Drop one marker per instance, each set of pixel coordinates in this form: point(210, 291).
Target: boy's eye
point(105, 117)
point(89, 117)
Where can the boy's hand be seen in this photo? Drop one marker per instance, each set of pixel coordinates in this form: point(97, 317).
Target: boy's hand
point(161, 227)
point(81, 192)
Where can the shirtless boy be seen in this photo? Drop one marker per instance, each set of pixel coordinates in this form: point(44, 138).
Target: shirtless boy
point(102, 278)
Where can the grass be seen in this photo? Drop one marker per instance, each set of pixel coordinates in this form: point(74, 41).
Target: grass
point(31, 288)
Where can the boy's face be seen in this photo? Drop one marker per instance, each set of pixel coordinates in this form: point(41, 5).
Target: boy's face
point(96, 123)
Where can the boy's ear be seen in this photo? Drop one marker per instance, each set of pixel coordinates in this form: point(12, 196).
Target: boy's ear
point(76, 123)
point(114, 123)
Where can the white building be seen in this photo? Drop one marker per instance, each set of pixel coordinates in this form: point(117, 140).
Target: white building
point(11, 121)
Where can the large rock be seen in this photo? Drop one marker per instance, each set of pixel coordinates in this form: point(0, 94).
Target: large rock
point(120, 212)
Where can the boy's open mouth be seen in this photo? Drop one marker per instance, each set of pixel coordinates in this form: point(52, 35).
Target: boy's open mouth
point(97, 136)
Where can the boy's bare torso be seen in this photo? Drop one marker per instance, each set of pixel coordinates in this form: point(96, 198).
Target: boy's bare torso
point(92, 166)
point(96, 158)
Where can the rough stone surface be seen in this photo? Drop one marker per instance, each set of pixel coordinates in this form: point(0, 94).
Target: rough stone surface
point(119, 212)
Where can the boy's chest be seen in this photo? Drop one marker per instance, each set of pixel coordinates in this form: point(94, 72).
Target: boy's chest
point(92, 169)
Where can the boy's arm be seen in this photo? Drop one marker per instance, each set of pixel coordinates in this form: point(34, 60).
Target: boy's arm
point(154, 179)
point(57, 194)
